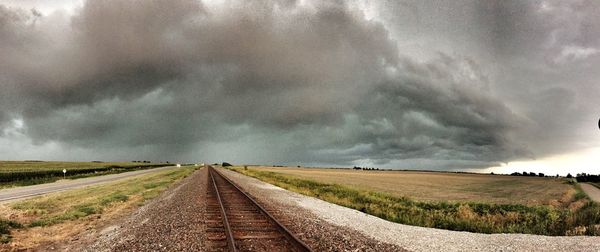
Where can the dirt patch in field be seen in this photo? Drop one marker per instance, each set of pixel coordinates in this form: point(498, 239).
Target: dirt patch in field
point(52, 237)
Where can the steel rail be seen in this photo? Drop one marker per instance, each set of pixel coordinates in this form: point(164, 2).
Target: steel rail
point(228, 233)
point(295, 241)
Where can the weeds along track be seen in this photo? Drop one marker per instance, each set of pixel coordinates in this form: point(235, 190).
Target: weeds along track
point(236, 222)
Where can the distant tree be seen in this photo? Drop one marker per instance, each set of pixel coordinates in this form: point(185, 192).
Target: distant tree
point(225, 164)
point(541, 174)
point(584, 177)
point(569, 175)
point(491, 173)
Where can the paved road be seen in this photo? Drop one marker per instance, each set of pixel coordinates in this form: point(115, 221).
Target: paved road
point(591, 191)
point(34, 190)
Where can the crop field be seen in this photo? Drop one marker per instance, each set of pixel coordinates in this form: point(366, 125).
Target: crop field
point(18, 173)
point(434, 186)
point(20, 166)
point(505, 204)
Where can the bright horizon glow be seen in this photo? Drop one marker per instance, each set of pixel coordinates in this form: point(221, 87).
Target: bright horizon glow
point(578, 162)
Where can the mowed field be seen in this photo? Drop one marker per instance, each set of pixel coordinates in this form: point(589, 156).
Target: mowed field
point(442, 186)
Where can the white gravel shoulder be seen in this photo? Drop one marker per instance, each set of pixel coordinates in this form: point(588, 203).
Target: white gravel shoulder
point(420, 238)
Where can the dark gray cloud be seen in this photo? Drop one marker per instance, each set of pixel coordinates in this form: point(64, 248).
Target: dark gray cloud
point(293, 82)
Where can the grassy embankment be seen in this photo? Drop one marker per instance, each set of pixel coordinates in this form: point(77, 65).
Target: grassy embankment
point(64, 214)
point(572, 214)
point(21, 173)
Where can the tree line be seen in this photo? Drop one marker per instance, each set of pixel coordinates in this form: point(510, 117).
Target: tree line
point(581, 177)
point(584, 177)
point(530, 174)
point(365, 168)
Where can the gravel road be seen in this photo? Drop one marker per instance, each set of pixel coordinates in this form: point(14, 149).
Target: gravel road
point(592, 191)
point(34, 190)
point(409, 237)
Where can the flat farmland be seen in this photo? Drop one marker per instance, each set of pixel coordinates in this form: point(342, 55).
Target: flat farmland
point(21, 173)
point(24, 166)
point(443, 186)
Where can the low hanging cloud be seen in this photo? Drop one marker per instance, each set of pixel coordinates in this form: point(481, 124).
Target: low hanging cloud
point(284, 81)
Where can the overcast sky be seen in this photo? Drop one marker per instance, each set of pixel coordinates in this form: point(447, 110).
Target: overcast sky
point(448, 85)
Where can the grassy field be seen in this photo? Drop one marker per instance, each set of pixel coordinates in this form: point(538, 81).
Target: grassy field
point(19, 173)
point(375, 193)
point(435, 186)
point(66, 211)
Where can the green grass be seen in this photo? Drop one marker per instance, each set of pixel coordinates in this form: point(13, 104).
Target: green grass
point(580, 194)
point(76, 204)
point(23, 173)
point(114, 197)
point(460, 216)
point(5, 226)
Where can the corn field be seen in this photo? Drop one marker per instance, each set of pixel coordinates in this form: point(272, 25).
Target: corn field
point(11, 171)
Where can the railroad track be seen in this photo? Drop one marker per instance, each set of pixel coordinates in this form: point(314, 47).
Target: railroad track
point(236, 222)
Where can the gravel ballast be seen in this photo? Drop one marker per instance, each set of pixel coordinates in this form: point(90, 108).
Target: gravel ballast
point(172, 222)
point(405, 236)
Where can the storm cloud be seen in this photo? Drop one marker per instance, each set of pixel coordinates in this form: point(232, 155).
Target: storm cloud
point(294, 82)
